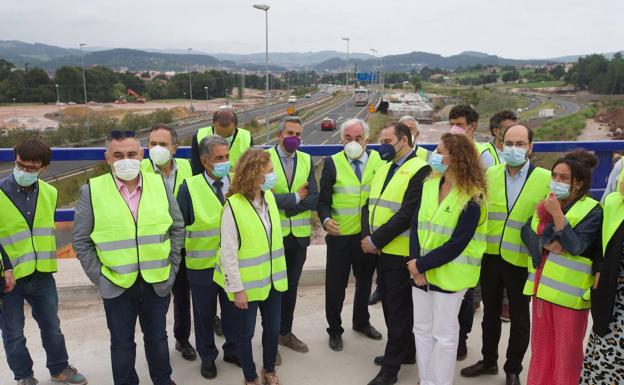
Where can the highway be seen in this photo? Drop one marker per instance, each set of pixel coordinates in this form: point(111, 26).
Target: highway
point(57, 169)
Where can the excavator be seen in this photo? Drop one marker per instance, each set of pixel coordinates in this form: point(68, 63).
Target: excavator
point(136, 97)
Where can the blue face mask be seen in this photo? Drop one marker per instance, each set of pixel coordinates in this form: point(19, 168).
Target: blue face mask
point(561, 190)
point(221, 169)
point(514, 156)
point(24, 178)
point(269, 181)
point(435, 161)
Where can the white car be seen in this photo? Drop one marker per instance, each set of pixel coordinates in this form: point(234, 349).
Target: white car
point(308, 96)
point(292, 99)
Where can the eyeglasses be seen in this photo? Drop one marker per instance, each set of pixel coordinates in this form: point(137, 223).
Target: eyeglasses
point(119, 135)
point(30, 169)
point(515, 144)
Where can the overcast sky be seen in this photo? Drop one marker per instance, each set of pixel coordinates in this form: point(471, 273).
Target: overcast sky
point(512, 29)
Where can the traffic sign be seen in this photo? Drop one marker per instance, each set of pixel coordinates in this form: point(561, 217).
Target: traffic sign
point(290, 110)
point(371, 108)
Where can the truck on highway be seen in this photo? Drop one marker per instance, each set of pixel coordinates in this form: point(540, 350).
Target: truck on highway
point(546, 113)
point(361, 97)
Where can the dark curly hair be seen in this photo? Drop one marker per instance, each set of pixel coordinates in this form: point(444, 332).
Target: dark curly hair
point(465, 111)
point(581, 164)
point(500, 117)
point(466, 165)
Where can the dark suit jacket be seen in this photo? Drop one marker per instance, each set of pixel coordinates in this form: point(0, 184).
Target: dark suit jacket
point(196, 162)
point(288, 202)
point(400, 221)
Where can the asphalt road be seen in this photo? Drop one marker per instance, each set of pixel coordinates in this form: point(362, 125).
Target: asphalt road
point(57, 169)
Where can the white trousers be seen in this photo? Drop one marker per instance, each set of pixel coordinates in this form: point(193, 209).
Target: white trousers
point(436, 330)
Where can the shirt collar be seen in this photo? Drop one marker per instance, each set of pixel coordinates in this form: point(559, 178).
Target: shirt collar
point(174, 167)
point(210, 180)
point(523, 171)
point(362, 158)
point(282, 153)
point(121, 186)
point(400, 162)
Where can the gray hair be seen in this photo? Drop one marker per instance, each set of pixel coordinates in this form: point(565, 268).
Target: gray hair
point(282, 124)
point(408, 118)
point(353, 122)
point(208, 143)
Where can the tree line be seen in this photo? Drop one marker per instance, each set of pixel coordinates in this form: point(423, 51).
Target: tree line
point(598, 74)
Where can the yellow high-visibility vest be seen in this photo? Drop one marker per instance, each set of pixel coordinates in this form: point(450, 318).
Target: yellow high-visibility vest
point(183, 171)
point(240, 143)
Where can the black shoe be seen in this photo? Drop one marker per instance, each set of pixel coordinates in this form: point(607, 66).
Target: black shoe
point(217, 327)
point(335, 342)
point(479, 369)
point(187, 350)
point(383, 379)
point(209, 370)
point(232, 360)
point(374, 297)
point(369, 331)
point(407, 361)
point(512, 379)
point(462, 350)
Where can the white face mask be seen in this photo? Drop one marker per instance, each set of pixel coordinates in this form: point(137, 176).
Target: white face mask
point(126, 169)
point(353, 150)
point(159, 155)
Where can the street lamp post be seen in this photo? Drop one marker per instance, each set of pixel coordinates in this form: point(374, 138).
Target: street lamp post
point(84, 86)
point(206, 89)
point(265, 8)
point(58, 100)
point(15, 110)
point(347, 72)
point(190, 80)
point(375, 67)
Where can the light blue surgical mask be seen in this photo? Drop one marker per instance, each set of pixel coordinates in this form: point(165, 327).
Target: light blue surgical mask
point(435, 161)
point(561, 190)
point(24, 178)
point(221, 169)
point(269, 181)
point(514, 156)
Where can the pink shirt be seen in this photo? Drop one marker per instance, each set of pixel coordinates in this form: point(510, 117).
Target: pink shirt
point(131, 198)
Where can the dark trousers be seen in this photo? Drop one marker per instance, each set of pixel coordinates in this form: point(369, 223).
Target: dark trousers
point(496, 275)
point(140, 300)
point(295, 258)
point(204, 311)
point(396, 298)
point(270, 310)
point(39, 290)
point(344, 252)
point(466, 315)
point(181, 305)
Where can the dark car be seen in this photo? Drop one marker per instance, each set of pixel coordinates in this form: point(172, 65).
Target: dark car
point(328, 124)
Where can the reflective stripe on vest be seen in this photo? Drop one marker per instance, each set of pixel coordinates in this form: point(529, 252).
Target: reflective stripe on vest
point(613, 217)
point(125, 247)
point(503, 228)
point(565, 278)
point(183, 171)
point(383, 205)
point(436, 223)
point(240, 143)
point(261, 260)
point(30, 250)
point(423, 154)
point(349, 194)
point(299, 225)
point(203, 235)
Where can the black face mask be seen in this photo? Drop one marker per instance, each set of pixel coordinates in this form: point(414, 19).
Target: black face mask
point(387, 151)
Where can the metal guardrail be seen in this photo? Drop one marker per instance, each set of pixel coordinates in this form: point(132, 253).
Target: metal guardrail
point(603, 150)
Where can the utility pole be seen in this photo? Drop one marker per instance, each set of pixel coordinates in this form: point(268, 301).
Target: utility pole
point(347, 71)
point(84, 86)
point(190, 81)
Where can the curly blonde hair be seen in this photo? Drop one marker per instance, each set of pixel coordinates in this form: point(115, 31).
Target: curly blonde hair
point(466, 165)
point(252, 164)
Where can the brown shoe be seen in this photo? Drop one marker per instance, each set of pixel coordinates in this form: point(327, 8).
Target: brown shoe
point(291, 341)
point(270, 378)
point(254, 382)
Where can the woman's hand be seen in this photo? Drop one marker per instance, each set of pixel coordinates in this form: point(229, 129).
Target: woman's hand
point(552, 205)
point(554, 247)
point(420, 280)
point(9, 281)
point(240, 300)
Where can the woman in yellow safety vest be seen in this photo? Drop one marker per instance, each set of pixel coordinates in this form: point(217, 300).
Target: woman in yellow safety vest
point(447, 242)
point(252, 267)
point(562, 238)
point(604, 357)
